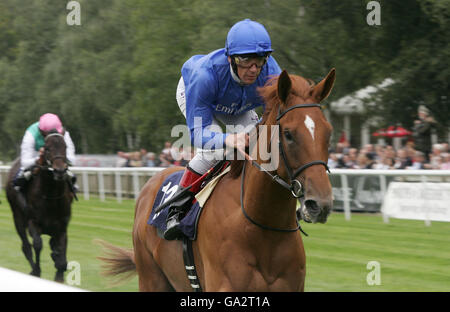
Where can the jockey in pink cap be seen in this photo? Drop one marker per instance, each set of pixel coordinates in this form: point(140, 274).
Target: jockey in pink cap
point(32, 147)
point(50, 121)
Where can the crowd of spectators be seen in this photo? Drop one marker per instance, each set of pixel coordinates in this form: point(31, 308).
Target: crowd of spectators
point(343, 156)
point(386, 157)
point(169, 156)
point(417, 153)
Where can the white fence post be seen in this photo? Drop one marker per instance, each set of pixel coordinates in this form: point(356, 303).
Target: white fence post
point(118, 186)
point(423, 179)
point(85, 185)
point(136, 187)
point(383, 187)
point(101, 186)
point(344, 184)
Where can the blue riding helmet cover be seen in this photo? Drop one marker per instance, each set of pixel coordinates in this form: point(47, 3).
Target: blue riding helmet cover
point(246, 37)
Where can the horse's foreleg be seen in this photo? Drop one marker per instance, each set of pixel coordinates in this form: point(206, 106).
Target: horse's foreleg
point(58, 244)
point(37, 246)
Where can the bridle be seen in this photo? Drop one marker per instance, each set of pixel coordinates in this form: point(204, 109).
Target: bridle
point(295, 186)
point(50, 161)
point(293, 174)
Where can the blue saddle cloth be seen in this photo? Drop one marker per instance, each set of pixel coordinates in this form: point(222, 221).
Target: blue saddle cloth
point(188, 224)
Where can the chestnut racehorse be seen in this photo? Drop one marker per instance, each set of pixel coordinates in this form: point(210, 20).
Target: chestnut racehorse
point(248, 238)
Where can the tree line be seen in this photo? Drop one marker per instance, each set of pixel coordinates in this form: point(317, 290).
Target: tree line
point(112, 79)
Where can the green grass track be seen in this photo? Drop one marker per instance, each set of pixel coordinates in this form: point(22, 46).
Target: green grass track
point(411, 256)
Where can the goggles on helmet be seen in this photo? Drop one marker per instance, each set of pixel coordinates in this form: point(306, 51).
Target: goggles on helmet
point(248, 60)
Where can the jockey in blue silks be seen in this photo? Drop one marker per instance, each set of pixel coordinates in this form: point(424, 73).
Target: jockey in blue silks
point(221, 88)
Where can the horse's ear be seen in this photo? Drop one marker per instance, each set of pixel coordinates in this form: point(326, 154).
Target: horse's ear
point(284, 86)
point(323, 88)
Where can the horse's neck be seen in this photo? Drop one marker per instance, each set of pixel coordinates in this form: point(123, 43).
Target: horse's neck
point(267, 202)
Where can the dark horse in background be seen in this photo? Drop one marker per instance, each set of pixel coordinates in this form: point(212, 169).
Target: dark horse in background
point(48, 200)
point(247, 241)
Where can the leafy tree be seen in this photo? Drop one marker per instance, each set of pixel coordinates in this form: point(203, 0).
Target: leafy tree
point(113, 79)
point(418, 33)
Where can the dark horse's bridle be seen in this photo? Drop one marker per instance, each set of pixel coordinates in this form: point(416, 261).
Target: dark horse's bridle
point(50, 160)
point(295, 186)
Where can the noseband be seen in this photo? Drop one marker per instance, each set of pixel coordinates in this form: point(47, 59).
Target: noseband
point(295, 186)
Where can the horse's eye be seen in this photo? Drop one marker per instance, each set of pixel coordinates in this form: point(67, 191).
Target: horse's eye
point(288, 135)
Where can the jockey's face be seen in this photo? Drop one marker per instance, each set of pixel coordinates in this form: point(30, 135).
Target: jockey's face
point(44, 133)
point(249, 71)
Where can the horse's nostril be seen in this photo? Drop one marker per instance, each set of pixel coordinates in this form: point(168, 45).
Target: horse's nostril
point(312, 207)
point(58, 174)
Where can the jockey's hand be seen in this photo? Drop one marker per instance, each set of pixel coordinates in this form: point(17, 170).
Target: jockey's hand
point(238, 141)
point(40, 160)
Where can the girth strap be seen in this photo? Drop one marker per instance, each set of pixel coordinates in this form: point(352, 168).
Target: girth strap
point(189, 265)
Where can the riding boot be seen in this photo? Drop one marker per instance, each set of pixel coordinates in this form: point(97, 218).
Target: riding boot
point(21, 179)
point(178, 208)
point(73, 181)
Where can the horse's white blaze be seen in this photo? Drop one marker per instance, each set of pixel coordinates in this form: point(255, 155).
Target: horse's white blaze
point(310, 125)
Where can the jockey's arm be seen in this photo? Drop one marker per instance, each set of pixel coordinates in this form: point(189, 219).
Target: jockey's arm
point(203, 136)
point(200, 95)
point(70, 149)
point(28, 153)
point(203, 132)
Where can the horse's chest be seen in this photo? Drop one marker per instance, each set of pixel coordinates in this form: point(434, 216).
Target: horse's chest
point(49, 221)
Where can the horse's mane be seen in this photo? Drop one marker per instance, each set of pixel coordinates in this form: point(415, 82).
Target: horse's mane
point(301, 87)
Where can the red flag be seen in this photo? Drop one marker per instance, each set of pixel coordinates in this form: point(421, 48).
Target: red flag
point(343, 137)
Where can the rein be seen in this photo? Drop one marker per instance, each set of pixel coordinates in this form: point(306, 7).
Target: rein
point(265, 227)
point(296, 187)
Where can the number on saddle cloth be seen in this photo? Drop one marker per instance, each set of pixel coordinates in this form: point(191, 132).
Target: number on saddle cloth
point(169, 187)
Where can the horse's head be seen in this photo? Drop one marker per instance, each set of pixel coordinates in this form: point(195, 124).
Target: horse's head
point(54, 157)
point(293, 104)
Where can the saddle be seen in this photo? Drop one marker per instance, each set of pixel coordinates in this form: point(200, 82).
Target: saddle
point(164, 198)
